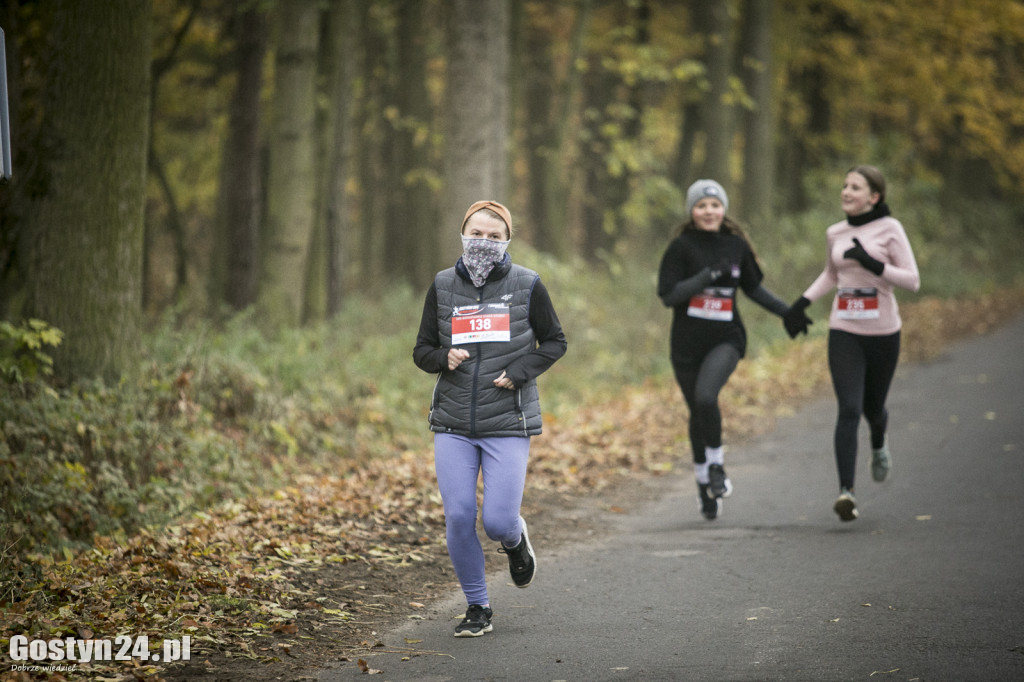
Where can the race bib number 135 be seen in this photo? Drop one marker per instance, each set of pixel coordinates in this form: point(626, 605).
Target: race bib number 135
point(857, 304)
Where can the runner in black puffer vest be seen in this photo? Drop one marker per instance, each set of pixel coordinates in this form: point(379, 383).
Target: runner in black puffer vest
point(463, 403)
point(488, 331)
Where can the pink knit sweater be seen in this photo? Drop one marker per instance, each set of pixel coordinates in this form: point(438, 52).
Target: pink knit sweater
point(865, 303)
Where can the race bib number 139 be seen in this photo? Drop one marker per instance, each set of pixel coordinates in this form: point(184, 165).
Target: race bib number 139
point(473, 324)
point(714, 303)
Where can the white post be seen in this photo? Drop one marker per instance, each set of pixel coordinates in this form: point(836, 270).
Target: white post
point(5, 125)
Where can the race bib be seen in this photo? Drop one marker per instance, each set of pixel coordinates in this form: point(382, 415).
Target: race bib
point(857, 304)
point(714, 303)
point(476, 323)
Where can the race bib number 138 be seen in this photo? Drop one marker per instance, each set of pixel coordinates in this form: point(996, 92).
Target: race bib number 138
point(473, 324)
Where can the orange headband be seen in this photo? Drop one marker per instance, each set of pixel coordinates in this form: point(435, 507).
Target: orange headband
point(494, 206)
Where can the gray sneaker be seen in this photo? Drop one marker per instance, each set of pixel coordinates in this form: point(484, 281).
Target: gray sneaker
point(845, 505)
point(881, 462)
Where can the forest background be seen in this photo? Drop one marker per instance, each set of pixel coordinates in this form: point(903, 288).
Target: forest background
point(223, 215)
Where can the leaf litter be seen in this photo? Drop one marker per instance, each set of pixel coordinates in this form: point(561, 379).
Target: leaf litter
point(311, 573)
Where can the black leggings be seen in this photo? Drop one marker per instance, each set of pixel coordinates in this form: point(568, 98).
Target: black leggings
point(701, 385)
point(862, 369)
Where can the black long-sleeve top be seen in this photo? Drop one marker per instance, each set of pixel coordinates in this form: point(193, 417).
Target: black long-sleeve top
point(685, 272)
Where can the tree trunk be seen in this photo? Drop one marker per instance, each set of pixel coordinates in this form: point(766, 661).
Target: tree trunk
point(717, 110)
point(235, 273)
point(85, 276)
point(415, 202)
point(175, 219)
point(549, 104)
point(329, 61)
point(374, 146)
point(291, 195)
point(477, 119)
point(346, 57)
point(686, 166)
point(609, 177)
point(759, 123)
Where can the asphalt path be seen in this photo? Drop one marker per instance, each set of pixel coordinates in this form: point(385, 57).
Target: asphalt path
point(928, 584)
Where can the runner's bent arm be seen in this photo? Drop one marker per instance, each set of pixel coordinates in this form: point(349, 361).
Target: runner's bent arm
point(428, 354)
point(551, 344)
point(901, 269)
point(674, 286)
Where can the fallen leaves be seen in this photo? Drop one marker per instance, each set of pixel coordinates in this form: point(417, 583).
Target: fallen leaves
point(236, 573)
point(366, 669)
point(243, 578)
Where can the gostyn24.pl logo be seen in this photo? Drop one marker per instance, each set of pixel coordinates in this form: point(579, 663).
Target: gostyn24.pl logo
point(122, 648)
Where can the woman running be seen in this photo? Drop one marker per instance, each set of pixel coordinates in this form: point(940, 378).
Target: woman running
point(868, 256)
point(700, 273)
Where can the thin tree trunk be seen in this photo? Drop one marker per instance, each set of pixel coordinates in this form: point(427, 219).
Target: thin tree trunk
point(415, 203)
point(549, 178)
point(344, 22)
point(374, 151)
point(686, 166)
point(235, 274)
point(718, 129)
point(759, 124)
point(291, 195)
point(608, 187)
point(329, 59)
point(175, 220)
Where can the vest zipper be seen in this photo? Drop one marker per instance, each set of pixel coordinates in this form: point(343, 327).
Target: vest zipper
point(473, 393)
point(519, 409)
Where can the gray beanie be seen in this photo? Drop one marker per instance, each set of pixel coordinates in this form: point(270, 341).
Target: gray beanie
point(705, 188)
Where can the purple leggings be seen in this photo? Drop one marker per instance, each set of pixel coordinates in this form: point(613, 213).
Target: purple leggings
point(458, 461)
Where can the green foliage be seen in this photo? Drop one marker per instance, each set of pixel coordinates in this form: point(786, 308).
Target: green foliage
point(21, 350)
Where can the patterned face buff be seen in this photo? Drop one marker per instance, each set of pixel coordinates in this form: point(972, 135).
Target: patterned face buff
point(480, 256)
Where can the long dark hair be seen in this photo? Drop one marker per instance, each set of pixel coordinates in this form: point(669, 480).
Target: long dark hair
point(729, 226)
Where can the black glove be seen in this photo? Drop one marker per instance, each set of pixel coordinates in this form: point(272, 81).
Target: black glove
point(858, 253)
point(721, 268)
point(795, 320)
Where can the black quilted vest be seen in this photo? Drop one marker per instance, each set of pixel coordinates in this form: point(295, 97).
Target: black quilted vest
point(466, 401)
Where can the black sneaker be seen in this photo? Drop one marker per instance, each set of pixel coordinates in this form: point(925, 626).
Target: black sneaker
point(719, 484)
point(476, 622)
point(846, 506)
point(709, 506)
point(522, 563)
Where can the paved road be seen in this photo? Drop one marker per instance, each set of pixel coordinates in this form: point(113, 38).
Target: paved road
point(927, 585)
